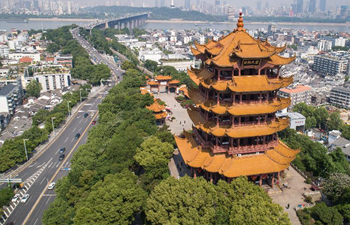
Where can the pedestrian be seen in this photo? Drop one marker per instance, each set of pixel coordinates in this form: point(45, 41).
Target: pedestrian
point(184, 121)
point(180, 122)
point(288, 206)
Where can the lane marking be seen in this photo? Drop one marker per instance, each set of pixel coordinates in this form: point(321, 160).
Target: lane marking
point(48, 200)
point(58, 170)
point(36, 221)
point(72, 140)
point(80, 129)
point(66, 140)
point(74, 129)
point(32, 165)
point(42, 181)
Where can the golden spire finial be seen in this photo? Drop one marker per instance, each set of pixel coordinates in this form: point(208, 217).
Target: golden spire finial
point(240, 24)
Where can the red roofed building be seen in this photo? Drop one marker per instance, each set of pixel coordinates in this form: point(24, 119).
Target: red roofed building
point(297, 94)
point(25, 60)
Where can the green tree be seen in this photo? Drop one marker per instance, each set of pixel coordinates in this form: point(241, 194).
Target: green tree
point(321, 114)
point(154, 155)
point(327, 215)
point(114, 200)
point(151, 65)
point(59, 213)
point(53, 47)
point(5, 196)
point(334, 122)
point(310, 122)
point(33, 89)
point(185, 201)
point(335, 186)
point(128, 65)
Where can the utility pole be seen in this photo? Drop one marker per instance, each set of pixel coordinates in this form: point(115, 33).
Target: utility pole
point(68, 107)
point(25, 147)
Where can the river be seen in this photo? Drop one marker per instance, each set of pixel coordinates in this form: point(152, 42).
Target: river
point(36, 25)
point(177, 25)
point(230, 26)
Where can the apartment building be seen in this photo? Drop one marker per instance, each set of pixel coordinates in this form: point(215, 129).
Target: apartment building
point(340, 97)
point(10, 98)
point(50, 82)
point(297, 94)
point(330, 64)
point(18, 55)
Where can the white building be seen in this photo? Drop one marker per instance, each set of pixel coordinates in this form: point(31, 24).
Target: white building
point(180, 65)
point(297, 120)
point(10, 98)
point(340, 42)
point(18, 55)
point(324, 45)
point(333, 136)
point(154, 54)
point(50, 82)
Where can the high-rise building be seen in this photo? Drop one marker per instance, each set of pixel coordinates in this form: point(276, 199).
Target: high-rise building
point(162, 3)
point(217, 2)
point(156, 3)
point(300, 6)
point(187, 4)
point(258, 5)
point(234, 122)
point(323, 5)
point(344, 11)
point(172, 4)
point(312, 6)
point(69, 7)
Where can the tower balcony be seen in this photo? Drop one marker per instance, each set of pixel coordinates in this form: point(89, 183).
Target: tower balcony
point(249, 107)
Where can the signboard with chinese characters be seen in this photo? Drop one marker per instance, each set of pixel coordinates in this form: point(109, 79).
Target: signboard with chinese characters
point(251, 62)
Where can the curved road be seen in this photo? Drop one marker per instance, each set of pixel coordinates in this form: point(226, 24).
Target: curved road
point(47, 168)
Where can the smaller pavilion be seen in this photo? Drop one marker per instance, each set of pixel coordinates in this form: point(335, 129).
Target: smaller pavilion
point(163, 81)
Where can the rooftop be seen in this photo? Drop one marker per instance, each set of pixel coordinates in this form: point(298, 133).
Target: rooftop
point(5, 90)
point(296, 89)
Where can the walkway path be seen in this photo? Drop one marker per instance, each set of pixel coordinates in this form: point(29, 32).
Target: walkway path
point(293, 195)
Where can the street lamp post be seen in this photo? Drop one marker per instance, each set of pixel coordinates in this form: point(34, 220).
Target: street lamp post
point(68, 107)
point(25, 147)
point(53, 127)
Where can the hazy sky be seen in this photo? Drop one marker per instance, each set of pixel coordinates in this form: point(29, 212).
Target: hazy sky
point(237, 3)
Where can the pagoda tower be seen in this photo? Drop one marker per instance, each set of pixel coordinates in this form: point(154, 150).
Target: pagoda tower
point(234, 123)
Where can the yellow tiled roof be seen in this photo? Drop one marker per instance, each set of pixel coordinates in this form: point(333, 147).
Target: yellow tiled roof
point(239, 83)
point(161, 77)
point(239, 44)
point(229, 166)
point(152, 82)
point(238, 109)
point(161, 115)
point(235, 132)
point(156, 107)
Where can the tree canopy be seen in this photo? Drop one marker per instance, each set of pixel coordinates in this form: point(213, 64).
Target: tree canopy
point(196, 201)
point(33, 89)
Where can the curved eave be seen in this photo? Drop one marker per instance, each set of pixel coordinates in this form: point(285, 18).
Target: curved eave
point(200, 48)
point(279, 60)
point(229, 166)
point(235, 132)
point(195, 52)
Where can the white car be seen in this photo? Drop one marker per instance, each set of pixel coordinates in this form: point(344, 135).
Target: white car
point(24, 199)
point(16, 198)
point(51, 186)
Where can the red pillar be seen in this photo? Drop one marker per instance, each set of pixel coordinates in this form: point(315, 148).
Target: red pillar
point(260, 182)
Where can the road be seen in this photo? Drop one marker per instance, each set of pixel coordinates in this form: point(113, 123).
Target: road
point(95, 56)
point(47, 168)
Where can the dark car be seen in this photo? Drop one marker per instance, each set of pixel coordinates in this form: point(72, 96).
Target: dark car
point(77, 136)
point(86, 115)
point(62, 150)
point(62, 157)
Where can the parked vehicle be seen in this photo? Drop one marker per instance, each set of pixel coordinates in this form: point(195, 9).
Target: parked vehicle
point(86, 115)
point(77, 136)
point(25, 198)
point(16, 198)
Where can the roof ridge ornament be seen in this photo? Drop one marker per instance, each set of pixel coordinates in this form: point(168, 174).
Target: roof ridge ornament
point(240, 24)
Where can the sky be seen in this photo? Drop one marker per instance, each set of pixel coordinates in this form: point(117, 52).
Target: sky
point(238, 3)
